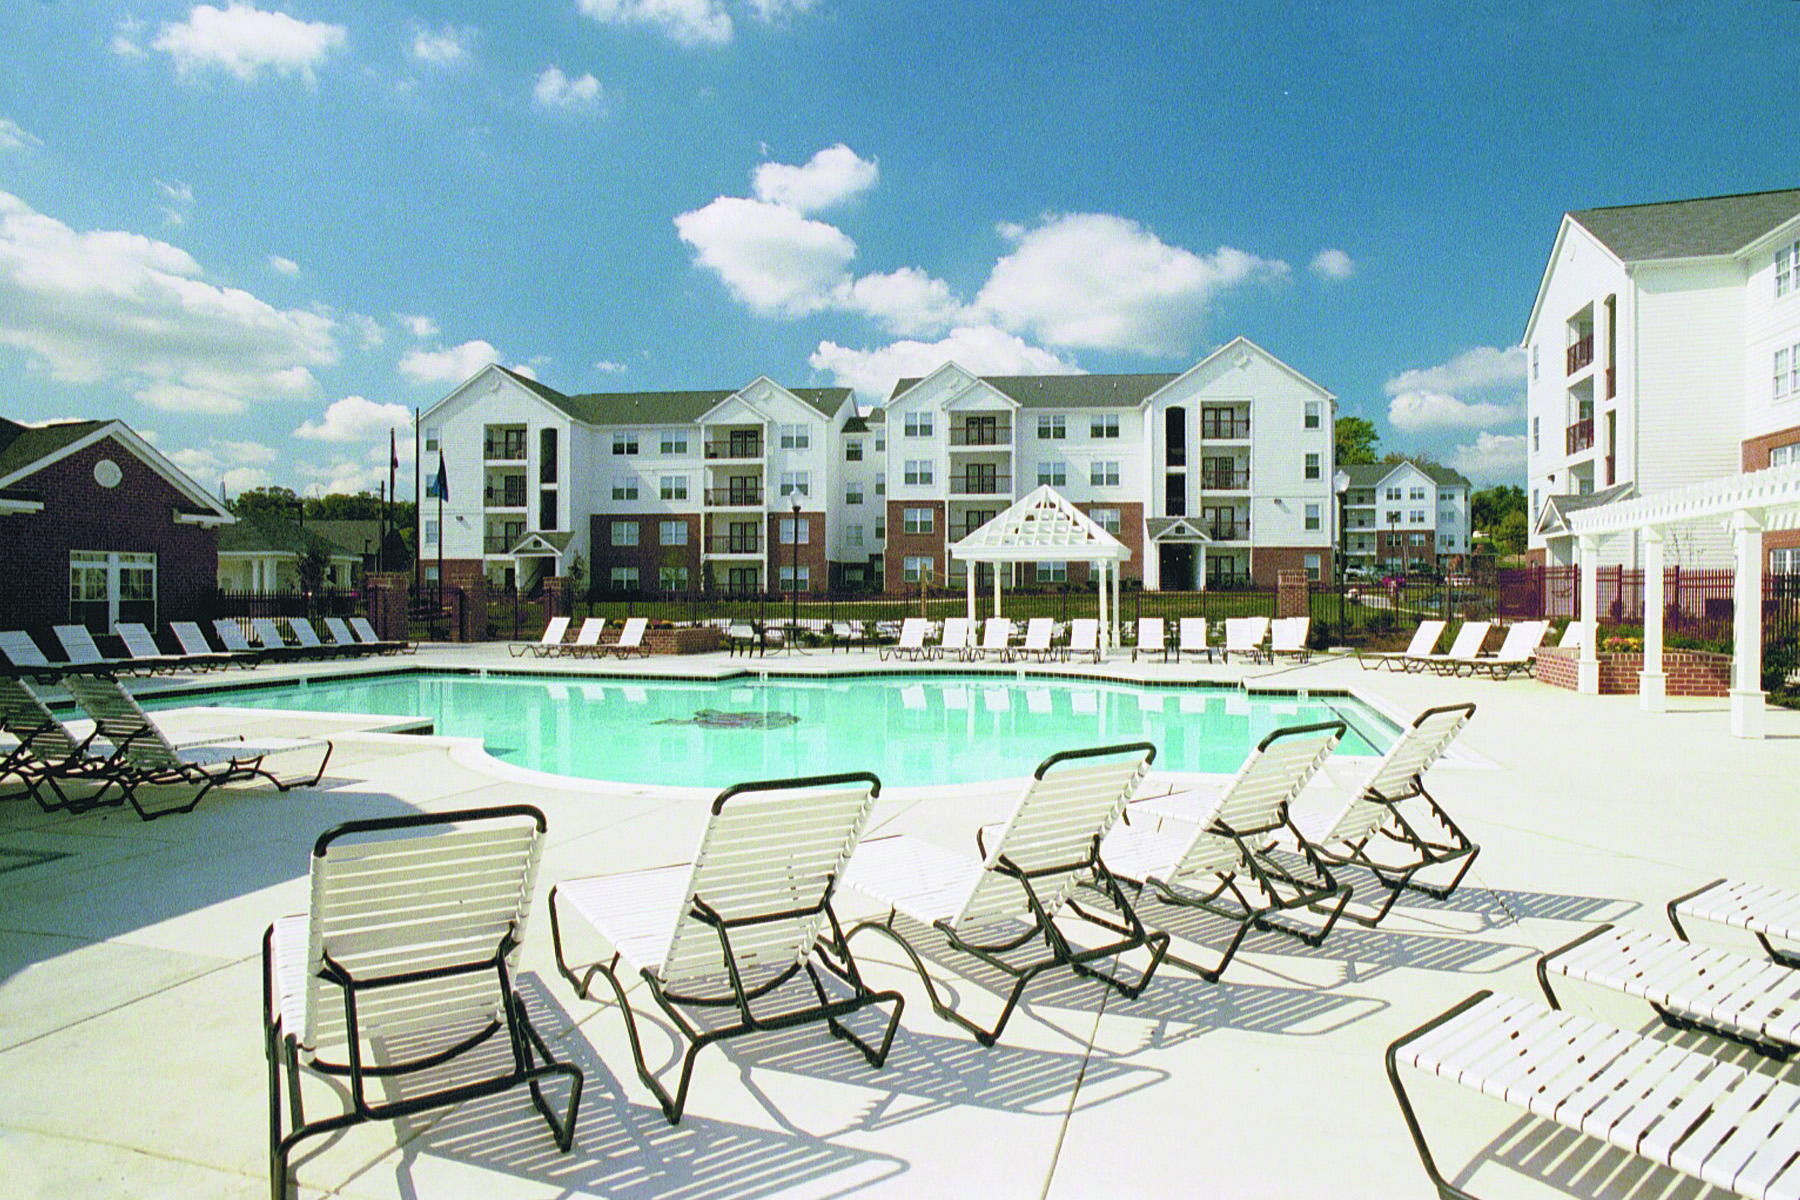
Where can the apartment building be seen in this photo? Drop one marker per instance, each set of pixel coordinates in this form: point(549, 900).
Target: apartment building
point(1663, 349)
point(1215, 476)
point(1404, 517)
point(738, 489)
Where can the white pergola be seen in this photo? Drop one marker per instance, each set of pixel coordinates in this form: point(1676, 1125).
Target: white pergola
point(1748, 505)
point(1044, 527)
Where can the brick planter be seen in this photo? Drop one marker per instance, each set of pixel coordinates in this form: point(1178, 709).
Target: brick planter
point(697, 639)
point(1690, 672)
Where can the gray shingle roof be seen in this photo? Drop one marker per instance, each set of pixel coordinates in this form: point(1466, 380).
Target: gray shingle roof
point(23, 445)
point(1068, 391)
point(1713, 225)
point(661, 408)
point(1370, 474)
point(266, 533)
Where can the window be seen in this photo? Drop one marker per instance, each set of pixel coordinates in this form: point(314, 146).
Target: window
point(674, 487)
point(674, 441)
point(918, 520)
point(853, 450)
point(673, 533)
point(431, 441)
point(916, 567)
point(625, 487)
point(1311, 562)
point(1417, 493)
point(431, 533)
point(796, 483)
point(106, 588)
point(1534, 504)
point(1787, 270)
point(796, 579)
point(1104, 425)
point(1104, 474)
point(1784, 562)
point(672, 579)
point(1393, 493)
point(625, 441)
point(1052, 428)
point(1780, 456)
point(547, 456)
point(1393, 517)
point(853, 536)
point(624, 579)
point(918, 424)
point(795, 437)
point(1416, 516)
point(1312, 516)
point(1534, 362)
point(547, 508)
point(880, 442)
point(853, 493)
point(624, 533)
point(1787, 370)
point(1534, 435)
point(1055, 474)
point(1053, 572)
point(881, 483)
point(789, 527)
point(918, 472)
point(1417, 539)
point(1105, 518)
point(1314, 412)
point(1312, 466)
point(881, 529)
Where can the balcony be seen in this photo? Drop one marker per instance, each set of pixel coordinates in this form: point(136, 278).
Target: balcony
point(980, 483)
point(500, 543)
point(735, 448)
point(512, 495)
point(980, 435)
point(1224, 427)
point(1581, 435)
point(1224, 479)
point(1229, 531)
point(737, 497)
point(506, 448)
point(735, 543)
point(1581, 354)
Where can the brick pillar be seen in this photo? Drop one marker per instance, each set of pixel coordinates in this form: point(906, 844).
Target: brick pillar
point(465, 586)
point(1292, 598)
point(559, 596)
point(386, 592)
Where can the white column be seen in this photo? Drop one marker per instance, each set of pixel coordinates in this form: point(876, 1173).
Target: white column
point(1747, 700)
point(1117, 567)
point(1653, 684)
point(997, 567)
point(971, 574)
point(1587, 672)
point(1105, 643)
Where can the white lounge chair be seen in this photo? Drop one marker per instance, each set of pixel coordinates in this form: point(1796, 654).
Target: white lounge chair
point(146, 655)
point(1732, 1128)
point(1039, 632)
point(309, 638)
point(912, 640)
point(48, 753)
point(741, 636)
point(1244, 637)
point(1151, 639)
point(996, 640)
point(1216, 853)
point(197, 649)
point(1515, 653)
point(273, 641)
point(341, 634)
point(1770, 914)
point(548, 642)
point(147, 758)
point(1410, 659)
point(1571, 636)
point(231, 636)
point(1287, 636)
point(1193, 638)
point(587, 639)
point(1466, 645)
point(1388, 824)
point(80, 651)
point(631, 639)
point(366, 632)
point(956, 638)
point(1084, 638)
point(405, 961)
point(23, 653)
point(999, 904)
point(743, 931)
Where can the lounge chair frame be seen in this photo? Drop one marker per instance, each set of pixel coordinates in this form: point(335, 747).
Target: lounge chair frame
point(283, 1050)
point(833, 952)
point(48, 753)
point(1747, 906)
point(627, 645)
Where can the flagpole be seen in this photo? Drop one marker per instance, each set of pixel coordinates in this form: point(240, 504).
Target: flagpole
point(442, 482)
point(418, 503)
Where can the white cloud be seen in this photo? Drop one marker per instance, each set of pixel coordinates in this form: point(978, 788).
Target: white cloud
point(177, 191)
point(1333, 266)
point(12, 137)
point(450, 46)
point(125, 38)
point(982, 349)
point(687, 22)
point(354, 419)
point(1103, 282)
point(905, 302)
point(284, 266)
point(1484, 367)
point(369, 329)
point(559, 92)
point(1480, 387)
point(1416, 412)
point(181, 202)
point(450, 366)
point(238, 465)
point(770, 11)
point(769, 257)
point(419, 326)
point(109, 305)
point(831, 177)
point(243, 41)
point(1491, 458)
point(608, 367)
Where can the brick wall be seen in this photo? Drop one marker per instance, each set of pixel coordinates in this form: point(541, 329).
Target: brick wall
point(1268, 562)
point(1689, 672)
point(649, 556)
point(901, 544)
point(809, 553)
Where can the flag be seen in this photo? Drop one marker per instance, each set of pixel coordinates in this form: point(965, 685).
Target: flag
point(443, 480)
point(393, 452)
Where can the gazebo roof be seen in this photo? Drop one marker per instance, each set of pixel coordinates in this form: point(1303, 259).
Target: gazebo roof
point(1773, 494)
point(1041, 527)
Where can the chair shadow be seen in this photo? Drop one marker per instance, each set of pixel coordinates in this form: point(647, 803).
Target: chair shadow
point(624, 1149)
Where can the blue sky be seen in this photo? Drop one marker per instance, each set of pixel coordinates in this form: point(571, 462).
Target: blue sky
point(264, 232)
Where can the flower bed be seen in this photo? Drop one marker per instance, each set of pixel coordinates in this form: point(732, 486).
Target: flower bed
point(1689, 672)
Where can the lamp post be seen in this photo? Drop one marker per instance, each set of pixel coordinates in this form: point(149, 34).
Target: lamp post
point(1340, 483)
point(794, 577)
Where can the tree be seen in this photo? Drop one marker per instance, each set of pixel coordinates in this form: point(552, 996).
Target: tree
point(1489, 507)
point(1356, 441)
point(1512, 533)
point(255, 502)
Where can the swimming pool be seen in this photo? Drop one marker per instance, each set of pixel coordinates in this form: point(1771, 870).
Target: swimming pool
point(911, 730)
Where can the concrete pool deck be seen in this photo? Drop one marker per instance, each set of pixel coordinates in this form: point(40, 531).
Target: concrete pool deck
point(131, 1046)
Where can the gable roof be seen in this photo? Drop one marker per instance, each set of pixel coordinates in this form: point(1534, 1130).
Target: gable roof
point(268, 533)
point(1066, 391)
point(660, 408)
point(23, 445)
point(1041, 526)
point(1710, 226)
point(1554, 519)
point(1371, 474)
point(28, 449)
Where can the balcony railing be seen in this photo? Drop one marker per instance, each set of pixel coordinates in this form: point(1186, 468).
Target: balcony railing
point(1581, 354)
point(500, 543)
point(508, 497)
point(1229, 531)
point(503, 449)
point(735, 543)
point(735, 448)
point(980, 435)
point(733, 497)
point(980, 484)
point(1225, 480)
point(1581, 435)
point(1224, 428)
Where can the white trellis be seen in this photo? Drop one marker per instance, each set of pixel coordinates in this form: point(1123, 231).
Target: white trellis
point(1044, 527)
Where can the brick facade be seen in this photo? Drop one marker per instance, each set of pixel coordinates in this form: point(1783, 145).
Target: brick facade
point(649, 556)
point(901, 544)
point(1689, 672)
point(1268, 562)
point(1756, 458)
point(808, 553)
point(138, 516)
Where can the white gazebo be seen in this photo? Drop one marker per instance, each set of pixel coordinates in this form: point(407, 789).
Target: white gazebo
point(1748, 505)
point(1044, 527)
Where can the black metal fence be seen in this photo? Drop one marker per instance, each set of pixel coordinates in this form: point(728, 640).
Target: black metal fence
point(247, 605)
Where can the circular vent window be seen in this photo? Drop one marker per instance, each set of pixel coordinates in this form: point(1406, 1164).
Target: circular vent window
point(107, 473)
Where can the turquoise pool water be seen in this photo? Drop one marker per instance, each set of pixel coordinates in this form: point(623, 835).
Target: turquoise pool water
point(911, 730)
